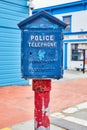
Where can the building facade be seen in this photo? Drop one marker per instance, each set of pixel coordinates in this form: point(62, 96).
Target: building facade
point(75, 34)
point(11, 13)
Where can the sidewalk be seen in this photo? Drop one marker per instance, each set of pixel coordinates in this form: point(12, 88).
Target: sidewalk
point(73, 118)
point(29, 125)
point(72, 75)
point(17, 103)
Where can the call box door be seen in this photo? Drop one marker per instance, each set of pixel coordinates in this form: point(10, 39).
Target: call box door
point(41, 53)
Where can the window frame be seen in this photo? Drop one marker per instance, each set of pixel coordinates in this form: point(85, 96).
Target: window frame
point(70, 16)
point(75, 52)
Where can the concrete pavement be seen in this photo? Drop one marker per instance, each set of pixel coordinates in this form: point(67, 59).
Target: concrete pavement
point(72, 75)
point(16, 111)
point(73, 118)
point(30, 125)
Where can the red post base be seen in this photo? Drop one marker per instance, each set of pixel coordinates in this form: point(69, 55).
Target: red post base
point(42, 98)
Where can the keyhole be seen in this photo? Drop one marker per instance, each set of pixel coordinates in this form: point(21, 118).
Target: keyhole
point(30, 53)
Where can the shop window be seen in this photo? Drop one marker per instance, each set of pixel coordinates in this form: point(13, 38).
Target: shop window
point(85, 56)
point(67, 20)
point(76, 54)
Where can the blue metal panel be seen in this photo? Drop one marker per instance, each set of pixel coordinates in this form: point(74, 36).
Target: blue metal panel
point(43, 18)
point(11, 12)
point(42, 46)
point(42, 22)
point(42, 53)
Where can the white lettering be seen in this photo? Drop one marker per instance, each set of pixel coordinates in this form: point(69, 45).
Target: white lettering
point(42, 41)
point(36, 38)
point(47, 38)
point(42, 44)
point(32, 37)
point(51, 37)
point(29, 44)
point(42, 38)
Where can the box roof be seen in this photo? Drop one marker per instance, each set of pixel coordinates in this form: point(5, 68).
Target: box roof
point(32, 18)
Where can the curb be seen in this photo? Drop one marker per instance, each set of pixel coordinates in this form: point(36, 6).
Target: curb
point(70, 110)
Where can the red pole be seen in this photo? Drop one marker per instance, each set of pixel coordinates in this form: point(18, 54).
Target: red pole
point(41, 98)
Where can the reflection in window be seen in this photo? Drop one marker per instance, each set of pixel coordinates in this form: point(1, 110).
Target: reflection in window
point(76, 54)
point(67, 20)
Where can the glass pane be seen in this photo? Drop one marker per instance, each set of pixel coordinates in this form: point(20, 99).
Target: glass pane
point(67, 20)
point(76, 54)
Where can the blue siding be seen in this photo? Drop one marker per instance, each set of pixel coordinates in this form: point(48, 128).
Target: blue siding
point(11, 13)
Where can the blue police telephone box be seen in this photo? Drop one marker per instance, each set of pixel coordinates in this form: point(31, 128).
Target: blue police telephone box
point(42, 46)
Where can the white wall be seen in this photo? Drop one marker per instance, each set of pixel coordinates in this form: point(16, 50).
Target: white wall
point(46, 3)
point(68, 55)
point(79, 23)
point(79, 20)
